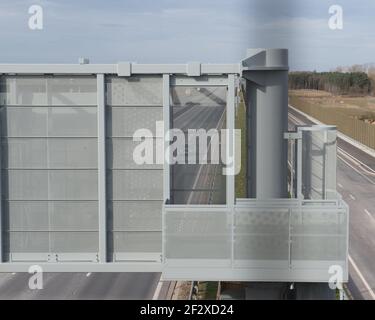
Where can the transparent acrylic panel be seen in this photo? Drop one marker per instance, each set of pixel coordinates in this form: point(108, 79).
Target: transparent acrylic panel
point(204, 109)
point(23, 122)
point(73, 153)
point(28, 242)
point(25, 215)
point(23, 90)
point(319, 164)
point(24, 153)
point(134, 90)
point(74, 215)
point(319, 235)
point(72, 121)
point(124, 122)
point(135, 184)
point(25, 184)
point(122, 151)
point(261, 234)
point(48, 90)
point(135, 241)
point(71, 91)
point(135, 215)
point(197, 234)
point(74, 242)
point(73, 185)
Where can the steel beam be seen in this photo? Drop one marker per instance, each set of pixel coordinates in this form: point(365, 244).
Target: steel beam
point(102, 195)
point(132, 68)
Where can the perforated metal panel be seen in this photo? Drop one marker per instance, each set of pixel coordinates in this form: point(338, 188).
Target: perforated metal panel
point(134, 192)
point(49, 166)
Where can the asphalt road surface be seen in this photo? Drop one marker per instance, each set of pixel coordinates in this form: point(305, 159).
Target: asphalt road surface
point(356, 184)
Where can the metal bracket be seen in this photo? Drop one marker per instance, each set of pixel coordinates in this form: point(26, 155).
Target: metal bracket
point(292, 135)
point(124, 69)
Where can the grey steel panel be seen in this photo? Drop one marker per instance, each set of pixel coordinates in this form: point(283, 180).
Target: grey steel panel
point(198, 234)
point(53, 153)
point(136, 241)
point(135, 184)
point(23, 122)
point(73, 215)
point(25, 184)
point(52, 185)
point(72, 121)
point(73, 184)
point(135, 215)
point(26, 215)
point(27, 242)
point(319, 235)
point(135, 90)
point(24, 153)
point(74, 241)
point(262, 234)
point(120, 153)
point(125, 121)
point(72, 153)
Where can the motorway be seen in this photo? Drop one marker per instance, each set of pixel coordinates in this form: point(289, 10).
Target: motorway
point(356, 184)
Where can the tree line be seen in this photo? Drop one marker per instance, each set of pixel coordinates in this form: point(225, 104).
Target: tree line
point(351, 83)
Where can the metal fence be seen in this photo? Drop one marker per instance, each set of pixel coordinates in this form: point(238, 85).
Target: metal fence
point(279, 240)
point(352, 127)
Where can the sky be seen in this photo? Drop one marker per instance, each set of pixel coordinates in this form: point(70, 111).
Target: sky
point(180, 31)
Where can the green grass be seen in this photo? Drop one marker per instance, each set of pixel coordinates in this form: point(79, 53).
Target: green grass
point(207, 290)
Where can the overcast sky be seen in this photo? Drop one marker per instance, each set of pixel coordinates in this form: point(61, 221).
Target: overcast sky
point(171, 31)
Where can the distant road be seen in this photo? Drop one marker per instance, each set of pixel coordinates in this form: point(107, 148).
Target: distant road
point(356, 184)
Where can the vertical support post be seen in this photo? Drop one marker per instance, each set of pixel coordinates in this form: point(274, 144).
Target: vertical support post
point(1, 205)
point(166, 118)
point(102, 196)
point(299, 169)
point(266, 72)
point(166, 161)
point(230, 152)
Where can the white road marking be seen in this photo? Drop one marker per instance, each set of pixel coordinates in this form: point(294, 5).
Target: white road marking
point(340, 185)
point(356, 170)
point(371, 292)
point(157, 291)
point(351, 196)
point(369, 214)
point(88, 274)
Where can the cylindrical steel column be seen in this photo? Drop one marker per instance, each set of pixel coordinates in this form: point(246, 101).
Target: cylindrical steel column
point(266, 72)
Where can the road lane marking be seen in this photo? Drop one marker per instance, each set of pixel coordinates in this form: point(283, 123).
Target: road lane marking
point(356, 170)
point(371, 292)
point(157, 291)
point(351, 196)
point(88, 274)
point(369, 214)
point(340, 185)
point(366, 169)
